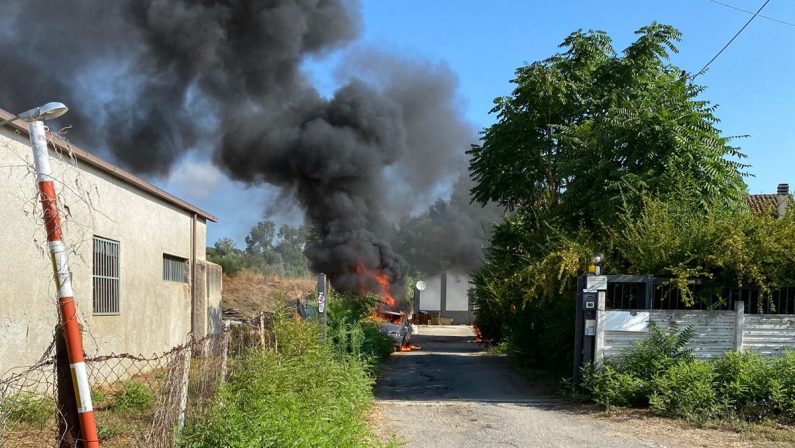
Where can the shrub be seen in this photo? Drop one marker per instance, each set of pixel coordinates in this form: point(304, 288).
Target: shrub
point(133, 397)
point(744, 383)
point(657, 352)
point(374, 344)
point(352, 330)
point(306, 394)
point(687, 390)
point(610, 387)
point(782, 385)
point(628, 380)
point(27, 407)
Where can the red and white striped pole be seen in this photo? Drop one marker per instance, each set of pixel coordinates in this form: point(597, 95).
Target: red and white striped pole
point(63, 281)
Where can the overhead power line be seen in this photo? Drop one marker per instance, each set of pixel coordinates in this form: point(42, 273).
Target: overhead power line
point(732, 39)
point(783, 22)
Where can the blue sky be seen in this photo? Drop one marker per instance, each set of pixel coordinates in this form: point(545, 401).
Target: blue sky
point(483, 42)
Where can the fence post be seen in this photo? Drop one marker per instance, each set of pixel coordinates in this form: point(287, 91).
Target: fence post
point(578, 333)
point(262, 329)
point(599, 345)
point(224, 350)
point(68, 419)
point(321, 302)
point(183, 391)
point(739, 324)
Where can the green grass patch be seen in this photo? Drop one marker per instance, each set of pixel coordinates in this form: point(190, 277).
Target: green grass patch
point(134, 396)
point(28, 407)
point(308, 394)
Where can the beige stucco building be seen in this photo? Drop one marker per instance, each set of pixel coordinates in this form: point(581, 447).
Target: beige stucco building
point(137, 256)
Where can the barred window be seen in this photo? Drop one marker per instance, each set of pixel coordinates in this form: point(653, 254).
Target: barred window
point(175, 269)
point(106, 276)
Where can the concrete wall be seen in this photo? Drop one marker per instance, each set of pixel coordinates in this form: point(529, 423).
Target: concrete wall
point(447, 293)
point(154, 314)
point(207, 311)
point(457, 287)
point(431, 297)
point(769, 334)
point(716, 332)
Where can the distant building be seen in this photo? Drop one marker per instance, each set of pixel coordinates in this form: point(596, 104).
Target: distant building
point(446, 296)
point(776, 204)
point(137, 256)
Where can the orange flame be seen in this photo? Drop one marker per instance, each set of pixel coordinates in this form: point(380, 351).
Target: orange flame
point(383, 282)
point(386, 295)
point(478, 335)
point(409, 347)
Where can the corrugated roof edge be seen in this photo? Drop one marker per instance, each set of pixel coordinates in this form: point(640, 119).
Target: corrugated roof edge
point(119, 173)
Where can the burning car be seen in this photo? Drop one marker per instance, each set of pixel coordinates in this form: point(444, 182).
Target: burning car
point(396, 327)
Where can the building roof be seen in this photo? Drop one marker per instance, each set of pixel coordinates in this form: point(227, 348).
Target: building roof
point(762, 203)
point(86, 157)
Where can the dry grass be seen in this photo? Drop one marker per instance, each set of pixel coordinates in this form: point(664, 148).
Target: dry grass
point(250, 292)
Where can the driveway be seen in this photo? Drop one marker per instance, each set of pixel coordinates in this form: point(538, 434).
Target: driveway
point(452, 393)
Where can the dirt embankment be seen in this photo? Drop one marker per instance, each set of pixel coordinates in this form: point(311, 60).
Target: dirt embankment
point(246, 294)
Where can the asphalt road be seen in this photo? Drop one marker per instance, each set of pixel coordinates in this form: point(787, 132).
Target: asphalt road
point(452, 393)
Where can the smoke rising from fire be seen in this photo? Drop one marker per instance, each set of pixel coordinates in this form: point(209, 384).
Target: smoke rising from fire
point(150, 80)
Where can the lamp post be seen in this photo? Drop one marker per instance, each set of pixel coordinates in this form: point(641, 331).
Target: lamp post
point(60, 264)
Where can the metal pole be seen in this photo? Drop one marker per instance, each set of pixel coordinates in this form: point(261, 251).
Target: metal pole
point(63, 282)
point(321, 303)
point(579, 323)
point(68, 418)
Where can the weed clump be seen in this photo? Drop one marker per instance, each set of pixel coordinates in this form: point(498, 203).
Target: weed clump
point(133, 397)
point(308, 393)
point(27, 407)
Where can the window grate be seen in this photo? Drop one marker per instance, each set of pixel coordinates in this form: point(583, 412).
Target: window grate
point(175, 269)
point(106, 277)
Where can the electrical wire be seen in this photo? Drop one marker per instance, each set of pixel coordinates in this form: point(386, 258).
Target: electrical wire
point(703, 69)
point(783, 22)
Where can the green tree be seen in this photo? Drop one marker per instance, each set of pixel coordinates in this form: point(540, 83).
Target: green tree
point(224, 247)
point(266, 252)
point(290, 247)
point(587, 132)
point(586, 138)
point(260, 242)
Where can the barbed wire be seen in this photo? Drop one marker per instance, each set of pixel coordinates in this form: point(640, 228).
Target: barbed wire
point(139, 400)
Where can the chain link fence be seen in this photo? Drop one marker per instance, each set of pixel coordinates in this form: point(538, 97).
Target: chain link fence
point(139, 401)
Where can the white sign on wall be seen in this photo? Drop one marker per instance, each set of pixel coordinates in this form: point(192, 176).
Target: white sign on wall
point(321, 303)
point(637, 321)
point(595, 282)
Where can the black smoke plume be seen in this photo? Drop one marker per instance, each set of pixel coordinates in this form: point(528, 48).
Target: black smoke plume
point(148, 80)
point(450, 235)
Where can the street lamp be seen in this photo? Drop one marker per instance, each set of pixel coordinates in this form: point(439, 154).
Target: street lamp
point(595, 263)
point(41, 113)
point(60, 264)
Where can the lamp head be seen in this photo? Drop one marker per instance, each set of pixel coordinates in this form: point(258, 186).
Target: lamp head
point(598, 258)
point(45, 112)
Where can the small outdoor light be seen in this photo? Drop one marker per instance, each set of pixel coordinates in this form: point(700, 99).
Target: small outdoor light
point(595, 264)
point(421, 285)
point(41, 113)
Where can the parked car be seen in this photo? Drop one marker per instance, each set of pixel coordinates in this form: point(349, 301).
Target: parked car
point(396, 326)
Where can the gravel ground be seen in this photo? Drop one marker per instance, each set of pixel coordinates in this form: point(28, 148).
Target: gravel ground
point(452, 393)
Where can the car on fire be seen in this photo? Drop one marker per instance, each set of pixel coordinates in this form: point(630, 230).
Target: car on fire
point(396, 326)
